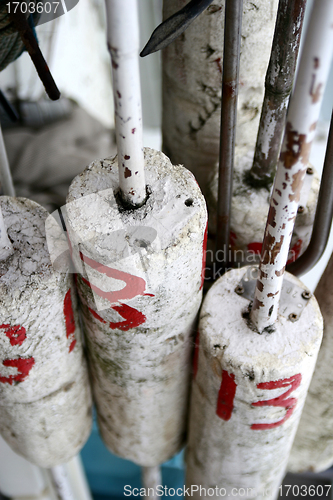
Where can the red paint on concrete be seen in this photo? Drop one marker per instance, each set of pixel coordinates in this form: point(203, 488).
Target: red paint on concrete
point(225, 399)
point(16, 334)
point(71, 347)
point(204, 248)
point(282, 400)
point(69, 314)
point(134, 285)
point(133, 318)
point(23, 366)
point(97, 316)
point(255, 247)
point(196, 354)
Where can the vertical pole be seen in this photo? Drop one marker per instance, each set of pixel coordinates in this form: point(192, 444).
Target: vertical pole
point(60, 482)
point(123, 45)
point(230, 77)
point(7, 186)
point(278, 86)
point(151, 478)
point(302, 118)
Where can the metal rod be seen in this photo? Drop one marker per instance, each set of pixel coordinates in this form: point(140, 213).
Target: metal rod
point(8, 108)
point(323, 219)
point(151, 478)
point(230, 77)
point(61, 483)
point(28, 38)
point(278, 86)
point(174, 26)
point(7, 186)
point(302, 118)
point(123, 45)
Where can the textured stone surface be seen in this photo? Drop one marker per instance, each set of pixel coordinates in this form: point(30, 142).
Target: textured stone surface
point(45, 401)
point(249, 212)
point(233, 442)
point(313, 446)
point(139, 336)
point(192, 81)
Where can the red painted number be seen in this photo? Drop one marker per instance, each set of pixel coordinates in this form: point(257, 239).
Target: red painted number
point(225, 399)
point(16, 335)
point(283, 400)
point(69, 320)
point(135, 287)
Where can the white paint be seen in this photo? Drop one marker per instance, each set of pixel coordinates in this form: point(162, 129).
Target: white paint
point(303, 114)
point(313, 446)
point(192, 82)
point(61, 483)
point(229, 453)
point(140, 374)
point(123, 44)
point(151, 478)
point(45, 415)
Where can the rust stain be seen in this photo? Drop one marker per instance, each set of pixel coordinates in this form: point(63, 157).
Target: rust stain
point(316, 62)
point(272, 294)
point(284, 185)
point(118, 94)
point(114, 64)
point(283, 226)
point(297, 186)
point(271, 216)
point(218, 64)
point(278, 192)
point(128, 173)
point(127, 157)
point(260, 286)
point(313, 126)
point(268, 245)
point(287, 176)
point(280, 273)
point(262, 274)
point(297, 149)
point(257, 304)
point(275, 202)
point(315, 91)
point(133, 130)
point(229, 89)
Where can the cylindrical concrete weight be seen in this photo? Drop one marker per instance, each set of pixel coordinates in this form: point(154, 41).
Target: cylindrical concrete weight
point(192, 82)
point(45, 408)
point(249, 212)
point(313, 446)
point(248, 392)
point(140, 287)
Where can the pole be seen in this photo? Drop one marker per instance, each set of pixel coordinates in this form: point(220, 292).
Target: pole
point(123, 45)
point(5, 174)
point(323, 219)
point(278, 87)
point(302, 117)
point(230, 78)
point(151, 478)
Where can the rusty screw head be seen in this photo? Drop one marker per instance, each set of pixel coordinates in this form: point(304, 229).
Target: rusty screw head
point(306, 295)
point(293, 317)
point(309, 171)
point(239, 289)
point(300, 209)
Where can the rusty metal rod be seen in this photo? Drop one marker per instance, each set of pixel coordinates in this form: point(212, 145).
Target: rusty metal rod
point(174, 26)
point(303, 113)
point(323, 219)
point(230, 78)
point(278, 86)
point(28, 38)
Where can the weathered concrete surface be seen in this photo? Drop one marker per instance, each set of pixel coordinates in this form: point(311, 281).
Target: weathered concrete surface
point(249, 212)
point(313, 446)
point(192, 82)
point(247, 394)
point(139, 336)
point(45, 400)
